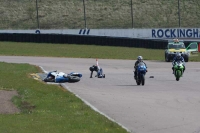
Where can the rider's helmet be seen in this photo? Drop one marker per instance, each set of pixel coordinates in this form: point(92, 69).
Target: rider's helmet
point(178, 55)
point(139, 58)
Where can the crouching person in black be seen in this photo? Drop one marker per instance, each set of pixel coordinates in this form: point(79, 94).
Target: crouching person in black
point(98, 69)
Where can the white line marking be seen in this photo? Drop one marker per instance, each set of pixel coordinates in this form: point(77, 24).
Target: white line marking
point(43, 69)
point(94, 108)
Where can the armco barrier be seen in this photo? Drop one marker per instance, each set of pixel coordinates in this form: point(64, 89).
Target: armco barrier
point(82, 39)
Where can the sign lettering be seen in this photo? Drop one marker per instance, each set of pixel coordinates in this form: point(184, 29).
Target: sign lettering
point(175, 33)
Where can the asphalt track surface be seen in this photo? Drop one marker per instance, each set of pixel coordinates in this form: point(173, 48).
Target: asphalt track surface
point(162, 105)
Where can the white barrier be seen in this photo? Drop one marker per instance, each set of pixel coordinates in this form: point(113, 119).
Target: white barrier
point(162, 33)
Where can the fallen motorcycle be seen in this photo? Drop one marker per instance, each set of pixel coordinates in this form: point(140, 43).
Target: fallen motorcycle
point(60, 77)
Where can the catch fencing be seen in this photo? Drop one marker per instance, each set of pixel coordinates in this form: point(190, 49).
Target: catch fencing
point(98, 14)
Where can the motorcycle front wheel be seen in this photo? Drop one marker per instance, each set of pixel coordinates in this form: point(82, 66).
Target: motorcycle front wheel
point(178, 75)
point(74, 79)
point(138, 82)
point(143, 79)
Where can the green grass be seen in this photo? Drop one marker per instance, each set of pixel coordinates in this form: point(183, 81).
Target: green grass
point(100, 14)
point(82, 51)
point(47, 108)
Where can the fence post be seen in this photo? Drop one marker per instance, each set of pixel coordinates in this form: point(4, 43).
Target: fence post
point(38, 25)
point(84, 13)
point(132, 12)
point(179, 21)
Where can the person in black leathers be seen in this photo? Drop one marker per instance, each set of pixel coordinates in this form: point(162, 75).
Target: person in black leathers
point(139, 59)
point(96, 68)
point(177, 58)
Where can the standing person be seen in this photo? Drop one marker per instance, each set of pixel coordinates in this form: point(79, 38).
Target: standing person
point(139, 59)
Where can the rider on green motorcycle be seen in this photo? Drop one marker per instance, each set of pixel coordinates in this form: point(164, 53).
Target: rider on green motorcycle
point(177, 58)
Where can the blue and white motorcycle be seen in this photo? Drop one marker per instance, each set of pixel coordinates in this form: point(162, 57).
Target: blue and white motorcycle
point(141, 72)
point(60, 77)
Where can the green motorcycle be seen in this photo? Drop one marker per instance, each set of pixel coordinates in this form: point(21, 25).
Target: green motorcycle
point(178, 70)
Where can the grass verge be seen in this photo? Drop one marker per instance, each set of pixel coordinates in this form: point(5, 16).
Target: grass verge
point(82, 51)
point(47, 108)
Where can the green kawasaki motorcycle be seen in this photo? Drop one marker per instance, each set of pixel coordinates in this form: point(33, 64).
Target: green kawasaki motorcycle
point(178, 70)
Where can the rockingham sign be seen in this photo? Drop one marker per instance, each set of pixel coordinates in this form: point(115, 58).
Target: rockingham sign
point(175, 33)
point(161, 33)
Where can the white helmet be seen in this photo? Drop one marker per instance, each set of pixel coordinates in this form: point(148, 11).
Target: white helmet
point(178, 55)
point(139, 58)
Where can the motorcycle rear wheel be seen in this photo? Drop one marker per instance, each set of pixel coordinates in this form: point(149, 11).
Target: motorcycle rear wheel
point(49, 80)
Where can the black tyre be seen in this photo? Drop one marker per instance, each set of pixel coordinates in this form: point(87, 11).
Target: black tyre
point(138, 83)
point(104, 76)
point(74, 79)
point(177, 79)
point(143, 79)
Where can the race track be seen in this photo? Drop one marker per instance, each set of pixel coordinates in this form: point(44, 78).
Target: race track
point(163, 105)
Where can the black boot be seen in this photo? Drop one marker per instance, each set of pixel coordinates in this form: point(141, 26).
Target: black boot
point(135, 75)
